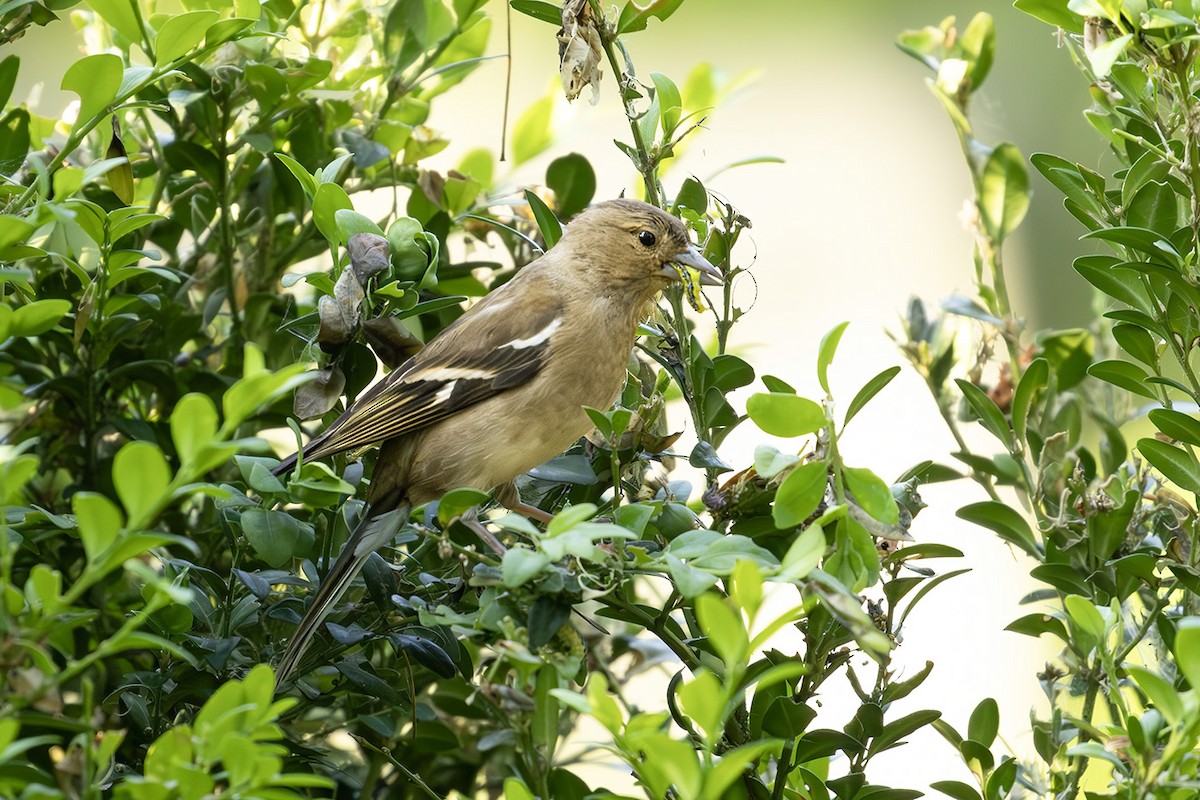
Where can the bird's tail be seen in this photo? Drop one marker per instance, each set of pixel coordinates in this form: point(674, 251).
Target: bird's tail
point(372, 533)
point(309, 451)
point(287, 465)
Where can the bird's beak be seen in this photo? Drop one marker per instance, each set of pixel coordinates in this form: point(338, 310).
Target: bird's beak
point(709, 275)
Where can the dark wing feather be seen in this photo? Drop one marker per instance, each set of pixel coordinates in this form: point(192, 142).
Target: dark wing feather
point(463, 366)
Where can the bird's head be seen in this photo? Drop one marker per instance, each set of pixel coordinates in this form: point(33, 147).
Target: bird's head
point(635, 247)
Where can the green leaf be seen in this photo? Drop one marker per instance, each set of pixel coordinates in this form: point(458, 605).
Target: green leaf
point(141, 477)
point(573, 182)
point(1053, 12)
point(328, 199)
point(521, 564)
point(956, 789)
point(8, 78)
point(546, 616)
point(693, 195)
point(515, 788)
point(1103, 56)
point(894, 731)
point(690, 581)
point(847, 609)
point(539, 9)
point(1154, 207)
point(733, 765)
point(1036, 624)
point(457, 502)
point(193, 425)
point(1088, 624)
point(800, 494)
point(1172, 462)
point(1152, 243)
point(1006, 522)
point(603, 707)
point(1032, 382)
point(96, 79)
point(786, 415)
point(119, 14)
point(1137, 342)
point(1124, 285)
point(1177, 425)
point(872, 388)
point(544, 722)
point(38, 317)
point(257, 388)
point(872, 494)
point(180, 33)
point(1069, 353)
point(769, 462)
point(701, 699)
point(669, 102)
point(569, 517)
point(350, 223)
point(13, 230)
point(99, 522)
point(1004, 192)
point(804, 554)
point(637, 13)
point(1159, 691)
point(986, 409)
point(307, 182)
point(984, 723)
point(978, 43)
point(277, 537)
point(1148, 167)
point(1125, 374)
point(724, 628)
point(548, 224)
point(829, 344)
point(746, 587)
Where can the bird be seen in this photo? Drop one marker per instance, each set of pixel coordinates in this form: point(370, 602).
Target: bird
point(503, 388)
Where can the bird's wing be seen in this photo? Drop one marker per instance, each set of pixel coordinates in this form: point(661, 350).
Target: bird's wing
point(485, 352)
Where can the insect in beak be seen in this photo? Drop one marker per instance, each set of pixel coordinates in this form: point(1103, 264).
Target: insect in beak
point(693, 270)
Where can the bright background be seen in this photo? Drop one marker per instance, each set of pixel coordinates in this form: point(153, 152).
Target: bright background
point(863, 215)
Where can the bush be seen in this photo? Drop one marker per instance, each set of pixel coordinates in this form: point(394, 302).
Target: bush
point(196, 259)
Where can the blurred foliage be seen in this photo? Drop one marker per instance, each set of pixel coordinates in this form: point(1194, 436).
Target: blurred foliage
point(235, 226)
point(1096, 429)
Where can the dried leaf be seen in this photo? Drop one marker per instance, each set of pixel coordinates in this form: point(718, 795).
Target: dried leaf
point(335, 328)
point(341, 313)
point(83, 316)
point(432, 185)
point(368, 255)
point(579, 50)
point(318, 396)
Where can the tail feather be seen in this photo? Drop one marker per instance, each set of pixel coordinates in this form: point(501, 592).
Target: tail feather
point(370, 534)
point(287, 465)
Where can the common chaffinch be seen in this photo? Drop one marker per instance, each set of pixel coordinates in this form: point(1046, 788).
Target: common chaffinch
point(502, 389)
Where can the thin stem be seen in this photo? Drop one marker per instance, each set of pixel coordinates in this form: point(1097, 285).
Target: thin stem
point(1012, 331)
point(1089, 707)
point(227, 246)
point(948, 417)
point(646, 164)
point(412, 776)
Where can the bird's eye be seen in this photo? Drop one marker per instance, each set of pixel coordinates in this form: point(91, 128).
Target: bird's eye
point(647, 238)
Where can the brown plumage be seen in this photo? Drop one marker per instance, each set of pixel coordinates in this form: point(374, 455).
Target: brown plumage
point(502, 389)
